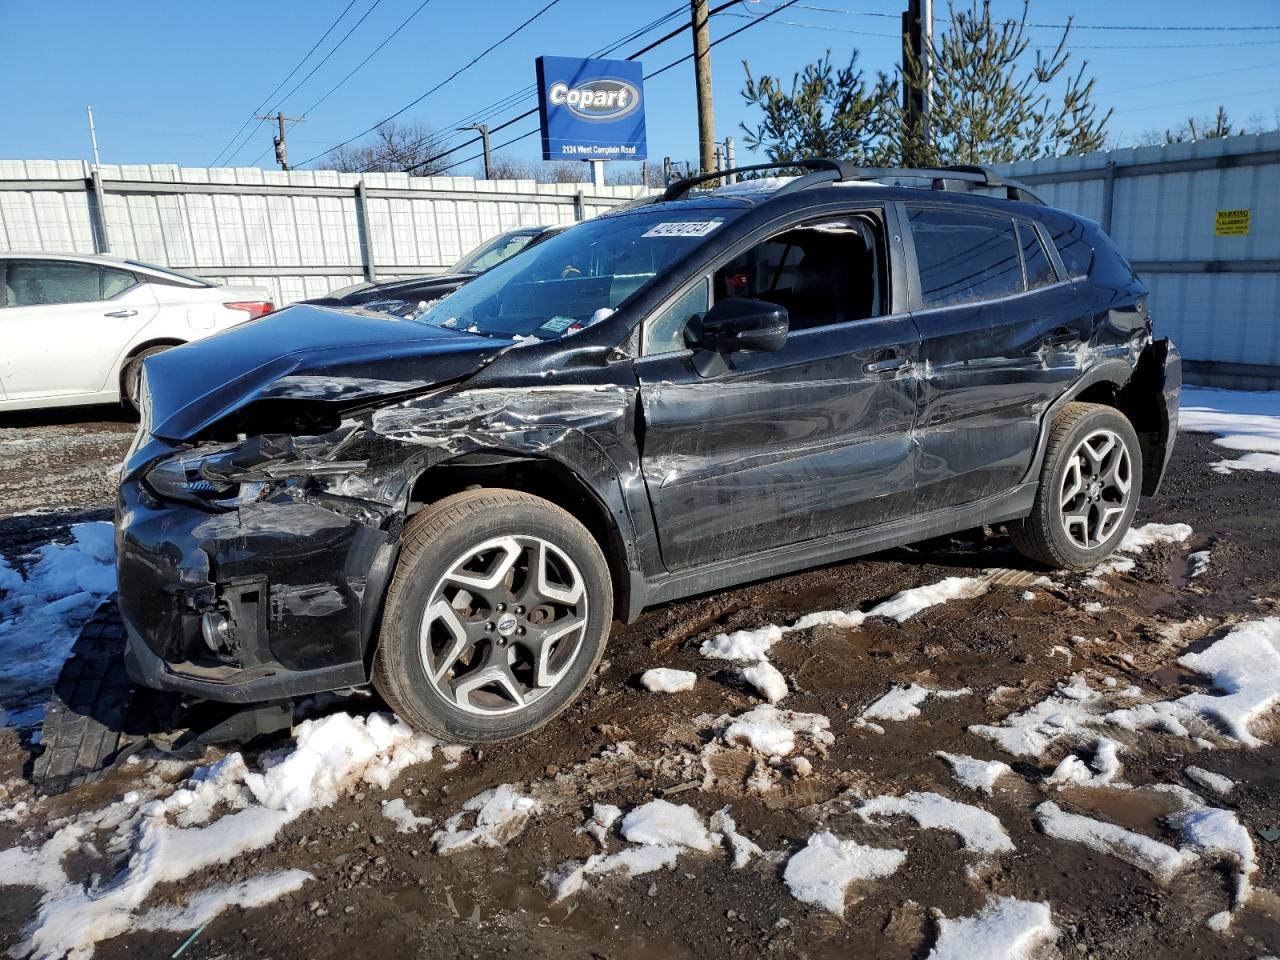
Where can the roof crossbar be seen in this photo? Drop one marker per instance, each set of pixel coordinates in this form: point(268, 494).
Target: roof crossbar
point(824, 170)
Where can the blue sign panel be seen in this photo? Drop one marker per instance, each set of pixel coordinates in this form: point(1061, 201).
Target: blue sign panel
point(591, 109)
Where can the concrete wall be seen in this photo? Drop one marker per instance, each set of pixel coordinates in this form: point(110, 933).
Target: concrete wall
point(1217, 296)
point(299, 234)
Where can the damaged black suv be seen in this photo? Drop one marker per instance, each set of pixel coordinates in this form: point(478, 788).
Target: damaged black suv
point(702, 389)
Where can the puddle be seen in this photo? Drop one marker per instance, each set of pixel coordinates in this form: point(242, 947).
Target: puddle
point(1135, 809)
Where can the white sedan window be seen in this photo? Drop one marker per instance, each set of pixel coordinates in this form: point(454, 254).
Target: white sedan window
point(32, 283)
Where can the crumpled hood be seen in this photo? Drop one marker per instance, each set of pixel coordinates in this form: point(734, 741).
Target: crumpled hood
point(303, 353)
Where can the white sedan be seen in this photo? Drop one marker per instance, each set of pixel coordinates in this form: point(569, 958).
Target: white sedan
point(75, 328)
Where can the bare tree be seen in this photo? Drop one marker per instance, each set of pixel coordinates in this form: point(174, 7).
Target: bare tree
point(541, 171)
point(1200, 128)
point(394, 148)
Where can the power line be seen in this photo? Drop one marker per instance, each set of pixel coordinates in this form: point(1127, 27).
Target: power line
point(1192, 76)
point(403, 23)
point(1041, 46)
point(296, 68)
point(323, 61)
point(472, 62)
point(1057, 26)
point(647, 76)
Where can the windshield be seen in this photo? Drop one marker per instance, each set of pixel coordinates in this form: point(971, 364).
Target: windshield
point(493, 252)
point(577, 278)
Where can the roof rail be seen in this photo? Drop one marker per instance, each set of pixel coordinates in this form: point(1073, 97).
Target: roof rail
point(825, 170)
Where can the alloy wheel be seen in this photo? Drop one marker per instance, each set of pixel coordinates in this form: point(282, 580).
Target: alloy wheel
point(503, 626)
point(1096, 489)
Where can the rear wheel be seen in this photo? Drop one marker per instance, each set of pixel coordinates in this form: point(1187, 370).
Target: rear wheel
point(1089, 487)
point(496, 618)
point(131, 377)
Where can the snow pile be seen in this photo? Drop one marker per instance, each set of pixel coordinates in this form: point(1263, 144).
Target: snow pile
point(767, 679)
point(1100, 771)
point(903, 703)
point(1160, 860)
point(660, 822)
point(169, 839)
point(1004, 929)
point(1216, 782)
point(1135, 540)
point(335, 752)
point(666, 680)
point(822, 872)
point(905, 605)
point(979, 775)
point(979, 831)
point(1244, 420)
point(1244, 665)
point(743, 646)
point(772, 732)
point(406, 821)
point(572, 877)
point(41, 614)
point(500, 815)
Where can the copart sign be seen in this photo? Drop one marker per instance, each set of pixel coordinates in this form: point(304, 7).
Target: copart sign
point(591, 109)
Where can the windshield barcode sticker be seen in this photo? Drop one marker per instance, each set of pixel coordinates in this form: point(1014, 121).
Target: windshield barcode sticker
point(684, 228)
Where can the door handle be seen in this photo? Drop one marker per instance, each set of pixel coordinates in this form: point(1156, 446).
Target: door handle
point(121, 313)
point(886, 365)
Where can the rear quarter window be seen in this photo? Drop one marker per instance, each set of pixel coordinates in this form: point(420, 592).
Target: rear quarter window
point(963, 257)
point(1073, 248)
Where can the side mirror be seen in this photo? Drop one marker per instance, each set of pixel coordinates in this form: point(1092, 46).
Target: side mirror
point(740, 323)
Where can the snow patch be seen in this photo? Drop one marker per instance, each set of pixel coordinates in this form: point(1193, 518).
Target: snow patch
point(500, 815)
point(822, 872)
point(1198, 563)
point(767, 679)
point(979, 831)
point(41, 614)
point(1244, 420)
point(1216, 782)
point(603, 817)
point(979, 775)
point(208, 903)
point(572, 877)
point(903, 703)
point(744, 848)
point(1160, 860)
point(773, 732)
point(662, 823)
point(1004, 929)
point(406, 821)
point(666, 680)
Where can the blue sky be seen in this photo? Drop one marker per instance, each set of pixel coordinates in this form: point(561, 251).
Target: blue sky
point(173, 82)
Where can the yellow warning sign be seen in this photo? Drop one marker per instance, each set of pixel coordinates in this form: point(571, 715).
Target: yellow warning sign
point(1231, 223)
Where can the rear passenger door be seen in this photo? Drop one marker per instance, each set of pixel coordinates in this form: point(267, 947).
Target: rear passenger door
point(1000, 336)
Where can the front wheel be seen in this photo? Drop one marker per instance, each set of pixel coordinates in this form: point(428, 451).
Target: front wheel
point(496, 618)
point(1089, 486)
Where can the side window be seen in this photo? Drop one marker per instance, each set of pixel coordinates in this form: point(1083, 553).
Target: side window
point(1077, 255)
point(964, 256)
point(31, 283)
point(665, 332)
point(116, 282)
point(823, 273)
point(1040, 272)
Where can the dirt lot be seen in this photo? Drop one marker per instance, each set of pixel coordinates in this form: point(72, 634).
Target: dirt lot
point(378, 892)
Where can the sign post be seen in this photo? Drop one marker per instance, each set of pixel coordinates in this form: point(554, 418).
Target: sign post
point(591, 110)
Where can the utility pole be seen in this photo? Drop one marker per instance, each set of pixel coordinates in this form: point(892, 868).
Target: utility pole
point(93, 138)
point(730, 158)
point(702, 79)
point(483, 129)
point(917, 47)
point(282, 153)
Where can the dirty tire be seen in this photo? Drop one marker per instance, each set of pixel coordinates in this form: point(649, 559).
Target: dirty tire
point(431, 543)
point(84, 731)
point(1041, 536)
point(132, 374)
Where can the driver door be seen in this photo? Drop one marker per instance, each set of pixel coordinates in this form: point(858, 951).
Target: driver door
point(807, 442)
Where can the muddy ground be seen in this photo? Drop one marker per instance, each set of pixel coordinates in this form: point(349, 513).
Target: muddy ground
point(381, 893)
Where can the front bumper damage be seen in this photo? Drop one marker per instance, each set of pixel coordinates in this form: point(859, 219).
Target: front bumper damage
point(260, 602)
